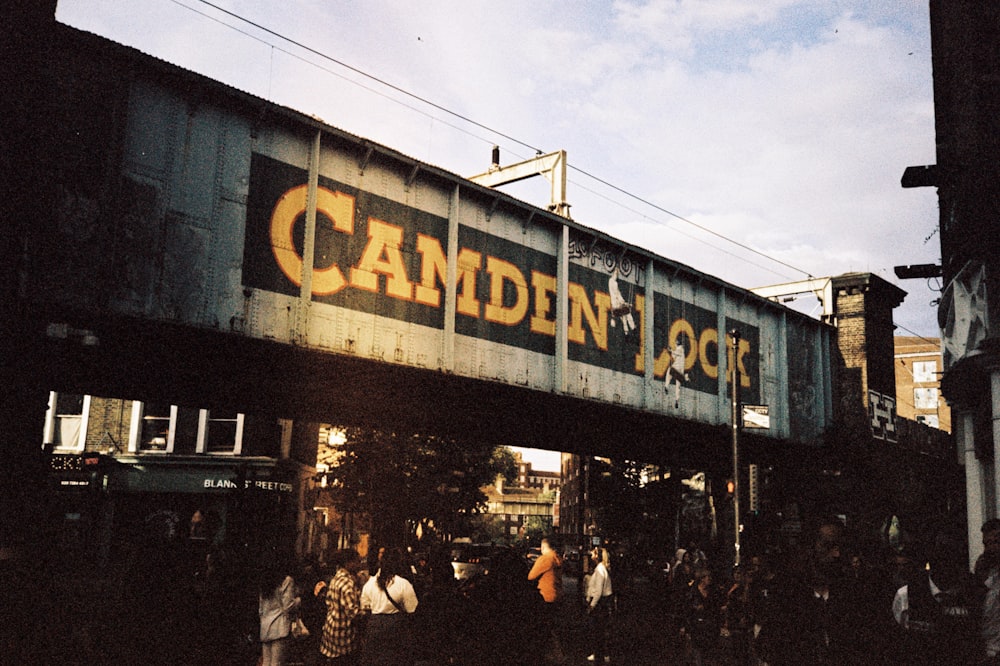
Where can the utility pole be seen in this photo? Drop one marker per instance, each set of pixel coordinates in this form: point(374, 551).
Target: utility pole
point(735, 335)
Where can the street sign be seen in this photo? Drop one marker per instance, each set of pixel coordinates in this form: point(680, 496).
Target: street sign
point(755, 416)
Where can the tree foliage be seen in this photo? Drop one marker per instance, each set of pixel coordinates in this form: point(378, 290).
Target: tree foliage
point(505, 463)
point(628, 510)
point(405, 480)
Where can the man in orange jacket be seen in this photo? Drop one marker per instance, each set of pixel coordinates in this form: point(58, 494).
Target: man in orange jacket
point(547, 570)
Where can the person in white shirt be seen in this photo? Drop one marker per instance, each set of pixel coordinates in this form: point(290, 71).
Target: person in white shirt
point(619, 306)
point(389, 598)
point(939, 612)
point(599, 604)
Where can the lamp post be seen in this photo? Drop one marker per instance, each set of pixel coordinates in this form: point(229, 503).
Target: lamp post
point(735, 335)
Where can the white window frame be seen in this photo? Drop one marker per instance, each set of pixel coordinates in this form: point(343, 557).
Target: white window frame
point(930, 420)
point(54, 422)
point(135, 429)
point(205, 421)
point(921, 374)
point(926, 397)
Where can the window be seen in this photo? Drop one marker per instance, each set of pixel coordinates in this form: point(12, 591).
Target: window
point(220, 431)
point(929, 420)
point(925, 398)
point(154, 427)
point(66, 421)
point(168, 429)
point(925, 372)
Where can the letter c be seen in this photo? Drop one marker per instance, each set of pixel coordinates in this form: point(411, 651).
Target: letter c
point(337, 206)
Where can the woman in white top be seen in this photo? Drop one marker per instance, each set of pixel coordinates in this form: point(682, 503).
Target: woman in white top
point(276, 602)
point(389, 598)
point(599, 604)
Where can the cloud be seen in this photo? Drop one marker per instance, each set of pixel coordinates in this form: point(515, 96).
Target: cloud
point(782, 124)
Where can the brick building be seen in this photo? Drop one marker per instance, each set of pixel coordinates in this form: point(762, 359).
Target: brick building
point(532, 478)
point(918, 381)
point(516, 506)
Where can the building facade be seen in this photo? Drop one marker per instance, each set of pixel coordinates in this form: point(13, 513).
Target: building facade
point(517, 508)
point(965, 52)
point(918, 382)
point(125, 472)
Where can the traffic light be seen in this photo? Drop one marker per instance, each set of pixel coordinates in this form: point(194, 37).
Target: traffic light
point(753, 490)
point(730, 487)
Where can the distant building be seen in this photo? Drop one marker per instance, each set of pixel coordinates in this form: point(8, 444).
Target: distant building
point(573, 518)
point(919, 365)
point(530, 478)
point(516, 506)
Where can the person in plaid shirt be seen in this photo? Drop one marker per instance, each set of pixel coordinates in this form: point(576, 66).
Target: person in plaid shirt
point(341, 638)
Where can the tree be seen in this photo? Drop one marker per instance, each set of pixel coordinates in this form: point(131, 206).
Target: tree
point(505, 463)
point(487, 528)
point(537, 527)
point(405, 480)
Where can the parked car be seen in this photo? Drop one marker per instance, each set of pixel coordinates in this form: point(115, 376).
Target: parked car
point(470, 559)
point(572, 562)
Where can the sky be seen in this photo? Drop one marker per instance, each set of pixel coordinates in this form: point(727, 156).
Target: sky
point(758, 141)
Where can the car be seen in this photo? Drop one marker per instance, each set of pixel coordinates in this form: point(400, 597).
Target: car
point(572, 562)
point(470, 559)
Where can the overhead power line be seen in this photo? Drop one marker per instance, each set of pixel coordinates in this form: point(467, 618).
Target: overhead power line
point(486, 128)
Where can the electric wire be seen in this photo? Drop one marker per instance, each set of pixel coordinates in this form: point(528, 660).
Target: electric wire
point(361, 72)
point(482, 126)
point(497, 133)
point(338, 75)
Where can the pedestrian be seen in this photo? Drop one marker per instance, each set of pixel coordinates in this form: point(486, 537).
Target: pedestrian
point(738, 615)
point(313, 579)
point(444, 617)
point(987, 571)
point(818, 616)
point(503, 604)
point(600, 603)
point(340, 642)
point(390, 598)
point(547, 570)
point(276, 602)
point(703, 619)
point(939, 611)
point(681, 579)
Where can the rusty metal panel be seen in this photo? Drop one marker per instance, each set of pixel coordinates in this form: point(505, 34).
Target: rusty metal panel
point(214, 229)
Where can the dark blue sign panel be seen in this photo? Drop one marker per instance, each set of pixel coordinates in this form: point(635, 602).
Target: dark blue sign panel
point(688, 344)
point(381, 257)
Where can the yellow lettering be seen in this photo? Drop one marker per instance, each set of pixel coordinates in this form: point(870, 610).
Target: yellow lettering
point(581, 309)
point(709, 336)
point(433, 268)
point(337, 206)
point(545, 289)
point(679, 328)
point(469, 262)
point(640, 356)
point(740, 363)
point(501, 271)
point(383, 255)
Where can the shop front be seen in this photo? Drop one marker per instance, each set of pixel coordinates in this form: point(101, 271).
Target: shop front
point(114, 508)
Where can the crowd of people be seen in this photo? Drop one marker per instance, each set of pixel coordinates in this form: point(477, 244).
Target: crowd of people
point(825, 603)
point(410, 610)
